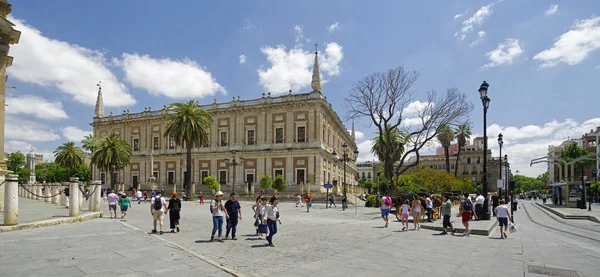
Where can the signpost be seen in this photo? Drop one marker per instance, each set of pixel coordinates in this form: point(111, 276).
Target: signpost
point(327, 186)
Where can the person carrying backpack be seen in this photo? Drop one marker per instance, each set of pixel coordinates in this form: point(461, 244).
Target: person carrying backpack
point(332, 201)
point(386, 204)
point(158, 207)
point(466, 209)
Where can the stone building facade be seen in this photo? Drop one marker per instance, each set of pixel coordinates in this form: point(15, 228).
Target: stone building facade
point(293, 135)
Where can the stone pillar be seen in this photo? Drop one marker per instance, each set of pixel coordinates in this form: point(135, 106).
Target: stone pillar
point(28, 191)
point(74, 197)
point(80, 196)
point(11, 200)
point(47, 193)
point(63, 202)
point(55, 189)
point(95, 198)
point(39, 192)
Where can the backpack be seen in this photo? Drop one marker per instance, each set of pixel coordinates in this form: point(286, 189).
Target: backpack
point(387, 201)
point(467, 205)
point(157, 203)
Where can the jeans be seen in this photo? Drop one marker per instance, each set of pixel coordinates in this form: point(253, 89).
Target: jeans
point(429, 214)
point(217, 223)
point(231, 226)
point(479, 211)
point(272, 230)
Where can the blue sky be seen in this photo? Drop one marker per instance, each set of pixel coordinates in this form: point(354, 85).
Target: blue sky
point(540, 58)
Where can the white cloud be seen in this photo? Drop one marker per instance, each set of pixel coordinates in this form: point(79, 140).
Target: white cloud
point(11, 146)
point(457, 16)
point(70, 68)
point(21, 129)
point(357, 134)
point(506, 52)
point(37, 106)
point(172, 78)
point(242, 59)
point(364, 151)
point(552, 10)
point(480, 37)
point(333, 27)
point(299, 31)
point(75, 134)
point(414, 108)
point(476, 20)
point(292, 69)
point(573, 46)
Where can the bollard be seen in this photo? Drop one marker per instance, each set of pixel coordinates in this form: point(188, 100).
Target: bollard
point(2, 203)
point(47, 194)
point(74, 197)
point(11, 200)
point(95, 198)
point(63, 201)
point(55, 190)
point(39, 192)
point(80, 194)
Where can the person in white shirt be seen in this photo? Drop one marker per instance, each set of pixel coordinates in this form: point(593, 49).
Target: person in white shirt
point(272, 217)
point(218, 213)
point(429, 208)
point(503, 217)
point(158, 207)
point(479, 206)
point(386, 204)
point(139, 196)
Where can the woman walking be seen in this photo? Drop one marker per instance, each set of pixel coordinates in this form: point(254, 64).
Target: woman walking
point(218, 213)
point(201, 198)
point(272, 219)
point(124, 203)
point(405, 210)
point(174, 216)
point(261, 217)
point(416, 211)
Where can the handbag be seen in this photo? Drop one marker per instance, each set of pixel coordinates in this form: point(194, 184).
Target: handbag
point(262, 228)
point(310, 204)
point(512, 227)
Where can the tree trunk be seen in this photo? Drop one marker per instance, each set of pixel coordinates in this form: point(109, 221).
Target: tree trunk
point(188, 170)
point(108, 178)
point(447, 159)
point(457, 159)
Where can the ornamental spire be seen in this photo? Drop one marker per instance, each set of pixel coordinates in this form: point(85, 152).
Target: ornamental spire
point(99, 111)
point(316, 77)
point(353, 133)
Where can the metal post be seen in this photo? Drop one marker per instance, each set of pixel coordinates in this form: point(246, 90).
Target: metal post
point(485, 183)
point(583, 188)
point(345, 184)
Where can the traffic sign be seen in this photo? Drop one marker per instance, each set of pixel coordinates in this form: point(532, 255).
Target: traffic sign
point(328, 186)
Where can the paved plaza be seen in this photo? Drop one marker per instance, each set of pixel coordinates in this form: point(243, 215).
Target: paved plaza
point(324, 242)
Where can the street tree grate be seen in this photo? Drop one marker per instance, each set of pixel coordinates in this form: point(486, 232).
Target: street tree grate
point(549, 271)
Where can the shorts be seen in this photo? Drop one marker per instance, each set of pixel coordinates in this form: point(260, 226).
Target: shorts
point(466, 216)
point(503, 221)
point(385, 212)
point(124, 208)
point(112, 207)
point(405, 215)
point(447, 223)
point(158, 215)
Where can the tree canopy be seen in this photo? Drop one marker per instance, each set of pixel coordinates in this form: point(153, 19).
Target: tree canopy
point(15, 161)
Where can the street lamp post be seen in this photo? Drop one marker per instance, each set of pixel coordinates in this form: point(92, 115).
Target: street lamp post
point(345, 158)
point(485, 101)
point(500, 143)
point(595, 172)
point(233, 163)
point(506, 179)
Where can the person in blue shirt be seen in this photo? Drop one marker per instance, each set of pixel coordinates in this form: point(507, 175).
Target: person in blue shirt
point(234, 214)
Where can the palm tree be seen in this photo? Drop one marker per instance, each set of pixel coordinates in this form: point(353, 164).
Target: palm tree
point(90, 143)
point(389, 150)
point(463, 132)
point(188, 125)
point(111, 152)
point(69, 156)
point(445, 137)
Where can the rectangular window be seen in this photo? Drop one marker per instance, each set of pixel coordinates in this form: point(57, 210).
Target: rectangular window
point(222, 177)
point(134, 180)
point(277, 172)
point(301, 134)
point(156, 145)
point(170, 177)
point(203, 175)
point(278, 135)
point(250, 137)
point(136, 145)
point(224, 139)
point(171, 143)
point(300, 176)
point(369, 175)
point(363, 175)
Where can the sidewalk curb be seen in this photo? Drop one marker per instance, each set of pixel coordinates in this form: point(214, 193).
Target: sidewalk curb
point(191, 252)
point(52, 222)
point(564, 216)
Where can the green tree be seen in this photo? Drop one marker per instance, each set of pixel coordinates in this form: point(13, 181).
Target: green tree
point(211, 183)
point(54, 172)
point(463, 132)
point(445, 137)
point(188, 125)
point(572, 152)
point(23, 173)
point(406, 183)
point(388, 148)
point(265, 182)
point(90, 143)
point(112, 153)
point(279, 184)
point(69, 156)
point(15, 161)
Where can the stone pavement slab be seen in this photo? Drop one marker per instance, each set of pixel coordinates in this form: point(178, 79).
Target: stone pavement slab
point(573, 213)
point(35, 210)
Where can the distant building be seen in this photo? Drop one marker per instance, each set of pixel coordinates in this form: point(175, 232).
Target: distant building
point(588, 142)
point(368, 170)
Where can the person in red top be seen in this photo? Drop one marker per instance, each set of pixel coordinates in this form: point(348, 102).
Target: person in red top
point(308, 201)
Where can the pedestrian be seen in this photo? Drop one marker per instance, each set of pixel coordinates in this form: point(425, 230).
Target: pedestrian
point(503, 217)
point(479, 206)
point(272, 217)
point(308, 201)
point(145, 196)
point(158, 207)
point(218, 212)
point(515, 204)
point(405, 210)
point(386, 204)
point(104, 195)
point(174, 210)
point(254, 209)
point(466, 209)
point(495, 199)
point(124, 204)
point(260, 216)
point(234, 214)
point(139, 196)
point(332, 201)
point(201, 198)
point(133, 194)
point(113, 200)
point(429, 208)
point(184, 196)
point(416, 211)
point(344, 202)
point(67, 192)
point(299, 200)
point(544, 197)
point(446, 214)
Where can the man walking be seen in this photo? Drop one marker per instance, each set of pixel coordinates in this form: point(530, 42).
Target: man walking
point(503, 217)
point(466, 209)
point(446, 214)
point(429, 208)
point(386, 204)
point(234, 214)
point(332, 201)
point(479, 206)
point(112, 203)
point(158, 207)
point(138, 195)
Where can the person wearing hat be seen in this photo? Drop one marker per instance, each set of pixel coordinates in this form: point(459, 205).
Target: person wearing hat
point(174, 209)
point(218, 212)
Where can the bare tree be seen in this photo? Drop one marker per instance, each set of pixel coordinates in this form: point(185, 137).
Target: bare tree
point(382, 97)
